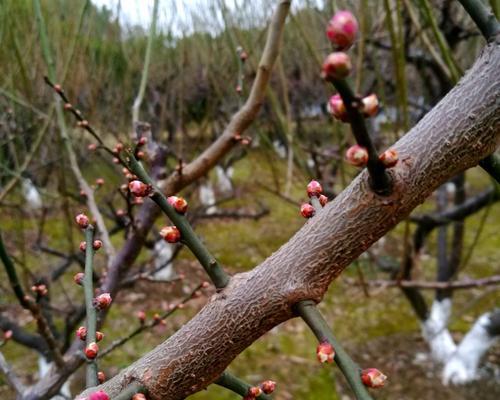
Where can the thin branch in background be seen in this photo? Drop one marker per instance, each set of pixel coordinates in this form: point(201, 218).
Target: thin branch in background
point(482, 17)
point(491, 165)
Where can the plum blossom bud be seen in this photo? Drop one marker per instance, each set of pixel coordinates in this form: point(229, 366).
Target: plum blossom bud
point(7, 335)
point(139, 189)
point(41, 290)
point(81, 333)
point(99, 336)
point(91, 350)
point(99, 181)
point(68, 106)
point(101, 377)
point(78, 278)
point(357, 156)
point(373, 378)
point(179, 203)
point(141, 316)
point(102, 301)
point(116, 160)
point(120, 213)
point(142, 141)
point(323, 200)
point(139, 396)
point(254, 392)
point(369, 105)
point(118, 147)
point(58, 88)
point(92, 147)
point(336, 66)
point(170, 234)
point(99, 395)
point(83, 246)
point(337, 108)
point(268, 386)
point(389, 158)
point(342, 29)
point(325, 352)
point(140, 155)
point(205, 285)
point(82, 220)
point(314, 189)
point(243, 55)
point(97, 244)
point(307, 210)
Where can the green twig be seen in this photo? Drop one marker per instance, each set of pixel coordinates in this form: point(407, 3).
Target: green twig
point(313, 318)
point(482, 17)
point(235, 384)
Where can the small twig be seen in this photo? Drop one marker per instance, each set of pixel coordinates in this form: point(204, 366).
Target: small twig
point(235, 384)
point(313, 318)
point(482, 17)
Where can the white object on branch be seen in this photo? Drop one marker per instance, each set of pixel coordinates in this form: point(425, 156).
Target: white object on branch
point(163, 253)
point(31, 194)
point(43, 369)
point(435, 331)
point(224, 183)
point(207, 197)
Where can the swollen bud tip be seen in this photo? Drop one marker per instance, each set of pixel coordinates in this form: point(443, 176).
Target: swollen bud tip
point(325, 352)
point(373, 378)
point(342, 30)
point(357, 156)
point(336, 66)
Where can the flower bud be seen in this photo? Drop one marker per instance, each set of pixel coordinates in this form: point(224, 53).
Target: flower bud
point(342, 29)
point(83, 246)
point(78, 278)
point(91, 350)
point(205, 284)
point(99, 336)
point(116, 160)
point(337, 108)
point(254, 391)
point(68, 106)
point(120, 213)
point(41, 290)
point(179, 203)
point(82, 220)
point(314, 189)
point(357, 156)
point(323, 200)
point(139, 189)
point(140, 155)
point(92, 147)
point(142, 141)
point(81, 333)
point(369, 105)
point(7, 335)
point(268, 386)
point(58, 88)
point(102, 301)
point(389, 158)
point(118, 147)
point(325, 352)
point(99, 181)
point(97, 244)
point(170, 234)
point(139, 396)
point(336, 66)
point(99, 395)
point(243, 55)
point(307, 210)
point(373, 378)
point(101, 377)
point(141, 316)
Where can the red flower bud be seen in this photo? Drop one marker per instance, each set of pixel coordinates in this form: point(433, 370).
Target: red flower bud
point(314, 189)
point(81, 333)
point(325, 352)
point(78, 278)
point(336, 66)
point(83, 246)
point(7, 335)
point(323, 200)
point(141, 316)
point(369, 105)
point(118, 147)
point(337, 108)
point(142, 141)
point(139, 189)
point(179, 203)
point(138, 201)
point(140, 155)
point(82, 220)
point(91, 350)
point(99, 181)
point(268, 386)
point(102, 301)
point(100, 395)
point(373, 378)
point(170, 234)
point(357, 156)
point(97, 244)
point(101, 377)
point(389, 158)
point(342, 29)
point(307, 210)
point(254, 391)
point(99, 336)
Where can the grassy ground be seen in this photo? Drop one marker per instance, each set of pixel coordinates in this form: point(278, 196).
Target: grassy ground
point(379, 330)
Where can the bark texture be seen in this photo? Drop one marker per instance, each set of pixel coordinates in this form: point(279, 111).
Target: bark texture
point(462, 129)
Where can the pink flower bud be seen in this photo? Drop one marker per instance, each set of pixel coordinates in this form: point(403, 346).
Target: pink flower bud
point(139, 396)
point(336, 66)
point(307, 210)
point(7, 335)
point(139, 189)
point(92, 147)
point(323, 200)
point(102, 301)
point(81, 333)
point(78, 278)
point(101, 377)
point(91, 350)
point(357, 156)
point(58, 88)
point(140, 155)
point(179, 203)
point(389, 158)
point(142, 141)
point(325, 352)
point(254, 391)
point(205, 284)
point(120, 213)
point(243, 55)
point(68, 106)
point(373, 378)
point(314, 189)
point(268, 386)
point(97, 244)
point(83, 246)
point(82, 220)
point(141, 316)
point(99, 336)
point(342, 29)
point(100, 395)
point(116, 160)
point(337, 108)
point(170, 234)
point(99, 181)
point(369, 105)
point(40, 289)
point(118, 147)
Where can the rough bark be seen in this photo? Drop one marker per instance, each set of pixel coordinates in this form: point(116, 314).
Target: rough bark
point(462, 129)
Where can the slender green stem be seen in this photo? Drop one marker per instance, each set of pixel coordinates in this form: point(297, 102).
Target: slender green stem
point(380, 181)
point(189, 237)
point(89, 297)
point(491, 165)
point(313, 318)
point(129, 391)
point(483, 18)
point(235, 384)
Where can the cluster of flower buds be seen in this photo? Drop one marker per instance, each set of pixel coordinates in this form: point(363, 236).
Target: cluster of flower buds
point(102, 301)
point(315, 193)
point(170, 234)
point(325, 352)
point(82, 220)
point(99, 395)
point(373, 378)
point(91, 350)
point(139, 189)
point(179, 203)
point(266, 387)
point(41, 290)
point(158, 320)
point(357, 156)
